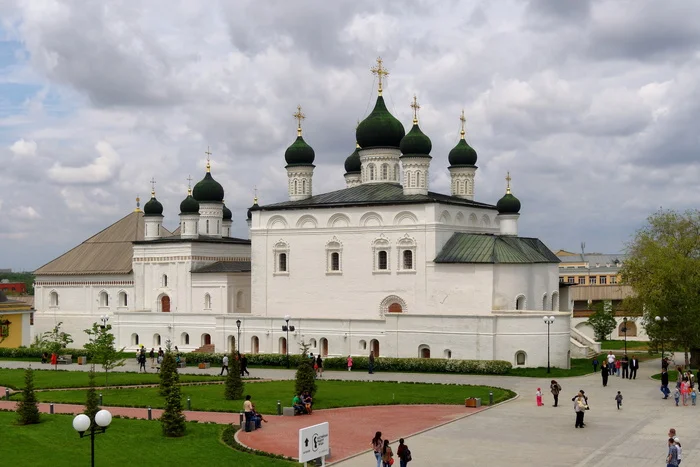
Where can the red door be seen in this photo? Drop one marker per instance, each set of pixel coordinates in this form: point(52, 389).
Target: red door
point(165, 304)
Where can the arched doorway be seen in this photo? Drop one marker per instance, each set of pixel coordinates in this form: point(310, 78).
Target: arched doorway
point(323, 346)
point(206, 339)
point(424, 351)
point(165, 304)
point(374, 346)
point(254, 345)
point(282, 346)
point(631, 329)
point(156, 340)
point(232, 344)
point(185, 339)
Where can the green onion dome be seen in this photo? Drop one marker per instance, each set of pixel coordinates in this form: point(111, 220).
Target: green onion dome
point(299, 153)
point(189, 205)
point(153, 207)
point(509, 204)
point(415, 142)
point(352, 163)
point(462, 154)
point(380, 129)
point(228, 215)
point(208, 190)
point(254, 207)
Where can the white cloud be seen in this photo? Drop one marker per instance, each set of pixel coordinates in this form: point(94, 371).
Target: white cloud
point(23, 148)
point(24, 213)
point(103, 169)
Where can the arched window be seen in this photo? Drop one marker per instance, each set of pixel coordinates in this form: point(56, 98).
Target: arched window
point(407, 178)
point(372, 175)
point(312, 343)
point(123, 299)
point(544, 302)
point(407, 246)
point(254, 345)
point(362, 345)
point(323, 347)
point(520, 302)
point(418, 179)
point(295, 188)
point(380, 247)
point(164, 282)
point(395, 308)
point(282, 265)
point(104, 299)
point(407, 259)
point(281, 252)
point(555, 301)
point(156, 340)
point(53, 299)
point(396, 173)
point(423, 351)
point(206, 226)
point(134, 339)
point(385, 171)
point(520, 357)
point(206, 339)
point(631, 329)
point(382, 260)
point(334, 250)
point(448, 353)
point(240, 304)
point(185, 338)
point(303, 187)
point(183, 225)
point(335, 261)
point(207, 301)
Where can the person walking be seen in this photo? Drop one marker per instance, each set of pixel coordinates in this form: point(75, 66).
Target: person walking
point(152, 355)
point(625, 367)
point(377, 444)
point(387, 454)
point(664, 383)
point(672, 457)
point(248, 411)
point(556, 389)
point(404, 454)
point(319, 366)
point(677, 442)
point(604, 373)
point(595, 364)
point(142, 360)
point(371, 362)
point(634, 366)
point(224, 365)
point(677, 396)
point(611, 361)
point(618, 366)
point(349, 362)
point(579, 407)
point(618, 399)
point(244, 365)
point(685, 391)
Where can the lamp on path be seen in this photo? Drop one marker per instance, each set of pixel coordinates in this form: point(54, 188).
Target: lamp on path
point(549, 320)
point(83, 424)
point(238, 345)
point(287, 328)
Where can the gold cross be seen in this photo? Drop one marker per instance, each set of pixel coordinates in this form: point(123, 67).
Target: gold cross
point(380, 71)
point(508, 179)
point(153, 186)
point(255, 199)
point(208, 153)
point(463, 120)
point(299, 116)
point(189, 184)
point(415, 107)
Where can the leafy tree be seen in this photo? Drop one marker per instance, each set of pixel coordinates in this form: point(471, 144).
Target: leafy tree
point(56, 340)
point(91, 403)
point(101, 349)
point(172, 420)
point(234, 383)
point(305, 378)
point(27, 409)
point(602, 321)
point(663, 268)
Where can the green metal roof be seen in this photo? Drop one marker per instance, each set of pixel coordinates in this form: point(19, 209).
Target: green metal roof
point(495, 249)
point(372, 195)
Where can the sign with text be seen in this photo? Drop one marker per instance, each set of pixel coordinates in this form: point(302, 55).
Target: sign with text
point(314, 442)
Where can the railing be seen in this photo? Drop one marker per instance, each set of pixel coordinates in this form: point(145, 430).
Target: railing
point(585, 340)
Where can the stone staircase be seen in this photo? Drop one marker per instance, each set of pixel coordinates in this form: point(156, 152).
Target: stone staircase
point(209, 348)
point(582, 346)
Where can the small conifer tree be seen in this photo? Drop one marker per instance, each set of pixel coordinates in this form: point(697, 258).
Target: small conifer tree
point(27, 409)
point(172, 420)
point(305, 378)
point(234, 383)
point(91, 403)
point(167, 368)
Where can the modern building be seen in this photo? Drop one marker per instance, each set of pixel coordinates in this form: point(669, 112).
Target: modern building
point(16, 320)
point(383, 265)
point(13, 288)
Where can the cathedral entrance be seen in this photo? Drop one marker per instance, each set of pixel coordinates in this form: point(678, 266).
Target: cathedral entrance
point(323, 343)
point(424, 351)
point(374, 346)
point(206, 339)
point(165, 304)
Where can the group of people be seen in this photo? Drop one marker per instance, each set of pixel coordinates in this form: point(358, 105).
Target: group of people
point(385, 455)
point(303, 403)
point(685, 384)
point(253, 418)
point(624, 367)
point(243, 364)
point(317, 362)
point(675, 451)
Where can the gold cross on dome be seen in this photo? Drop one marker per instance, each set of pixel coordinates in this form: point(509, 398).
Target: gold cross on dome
point(299, 116)
point(189, 184)
point(208, 153)
point(255, 199)
point(508, 179)
point(463, 120)
point(153, 186)
point(380, 72)
point(415, 107)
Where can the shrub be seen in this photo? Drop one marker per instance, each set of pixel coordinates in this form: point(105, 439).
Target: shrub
point(234, 383)
point(167, 367)
point(172, 420)
point(27, 409)
point(91, 405)
point(305, 379)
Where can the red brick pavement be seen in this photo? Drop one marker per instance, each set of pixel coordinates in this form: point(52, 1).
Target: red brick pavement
point(351, 429)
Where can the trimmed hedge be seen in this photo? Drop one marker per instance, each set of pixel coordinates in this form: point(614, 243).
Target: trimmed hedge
point(32, 353)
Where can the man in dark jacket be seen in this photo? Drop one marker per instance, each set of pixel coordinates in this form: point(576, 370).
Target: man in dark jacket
point(634, 366)
point(624, 363)
point(664, 383)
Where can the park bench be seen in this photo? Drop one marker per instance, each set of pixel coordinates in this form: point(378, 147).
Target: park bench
point(288, 411)
point(183, 363)
point(65, 359)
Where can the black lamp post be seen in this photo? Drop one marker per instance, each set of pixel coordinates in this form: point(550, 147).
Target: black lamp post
point(104, 319)
point(549, 320)
point(238, 342)
point(287, 328)
point(83, 424)
point(624, 329)
point(661, 322)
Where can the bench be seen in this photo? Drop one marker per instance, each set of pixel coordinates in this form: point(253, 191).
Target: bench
point(288, 411)
point(65, 359)
point(183, 363)
point(204, 365)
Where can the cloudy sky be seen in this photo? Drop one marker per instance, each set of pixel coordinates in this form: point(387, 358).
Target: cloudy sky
point(593, 106)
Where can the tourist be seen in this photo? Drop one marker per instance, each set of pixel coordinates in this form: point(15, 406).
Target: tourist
point(556, 389)
point(54, 359)
point(308, 402)
point(664, 363)
point(142, 360)
point(258, 418)
point(371, 362)
point(298, 405)
point(671, 432)
point(685, 391)
point(618, 399)
point(672, 457)
point(634, 366)
point(579, 407)
point(604, 373)
point(44, 357)
point(677, 396)
point(244, 365)
point(595, 364)
point(618, 365)
point(677, 443)
point(679, 376)
point(349, 363)
point(693, 396)
point(319, 366)
point(377, 444)
point(224, 365)
point(152, 355)
point(404, 454)
point(611, 361)
point(625, 367)
point(387, 454)
point(538, 397)
point(664, 382)
point(248, 411)
point(161, 354)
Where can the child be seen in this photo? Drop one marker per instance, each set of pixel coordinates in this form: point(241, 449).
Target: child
point(693, 396)
point(677, 442)
point(618, 398)
point(677, 396)
point(349, 363)
point(618, 364)
point(539, 397)
point(685, 390)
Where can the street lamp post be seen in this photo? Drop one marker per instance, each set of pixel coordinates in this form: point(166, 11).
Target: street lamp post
point(661, 322)
point(549, 320)
point(83, 424)
point(104, 319)
point(238, 342)
point(624, 329)
point(287, 328)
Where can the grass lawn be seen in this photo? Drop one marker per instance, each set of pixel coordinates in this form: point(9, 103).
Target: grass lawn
point(47, 379)
point(54, 443)
point(266, 394)
point(672, 377)
point(579, 367)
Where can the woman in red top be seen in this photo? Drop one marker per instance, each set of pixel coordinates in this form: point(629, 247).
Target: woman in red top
point(54, 359)
point(617, 367)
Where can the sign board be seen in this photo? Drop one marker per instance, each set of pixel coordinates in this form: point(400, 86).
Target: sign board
point(314, 442)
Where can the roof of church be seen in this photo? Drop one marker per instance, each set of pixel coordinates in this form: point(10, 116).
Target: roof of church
point(200, 239)
point(107, 252)
point(495, 249)
point(371, 195)
point(225, 266)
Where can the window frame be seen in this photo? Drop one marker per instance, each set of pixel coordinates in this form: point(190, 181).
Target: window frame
point(334, 247)
point(381, 244)
point(403, 245)
point(281, 248)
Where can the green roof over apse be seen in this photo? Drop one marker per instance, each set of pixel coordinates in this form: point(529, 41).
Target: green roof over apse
point(494, 249)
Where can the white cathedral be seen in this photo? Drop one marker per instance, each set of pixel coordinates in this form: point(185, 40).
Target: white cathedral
point(384, 265)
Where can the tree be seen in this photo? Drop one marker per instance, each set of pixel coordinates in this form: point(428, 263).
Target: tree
point(27, 409)
point(172, 420)
point(91, 403)
point(101, 349)
point(663, 268)
point(56, 340)
point(602, 321)
point(305, 378)
point(167, 367)
point(234, 383)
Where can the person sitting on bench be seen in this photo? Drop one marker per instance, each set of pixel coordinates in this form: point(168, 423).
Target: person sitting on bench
point(308, 402)
point(298, 405)
point(258, 418)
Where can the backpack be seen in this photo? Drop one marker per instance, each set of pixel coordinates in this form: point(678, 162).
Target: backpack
point(407, 455)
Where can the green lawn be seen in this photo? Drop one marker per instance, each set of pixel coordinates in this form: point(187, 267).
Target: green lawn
point(266, 394)
point(47, 379)
point(620, 345)
point(672, 376)
point(54, 443)
point(579, 367)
